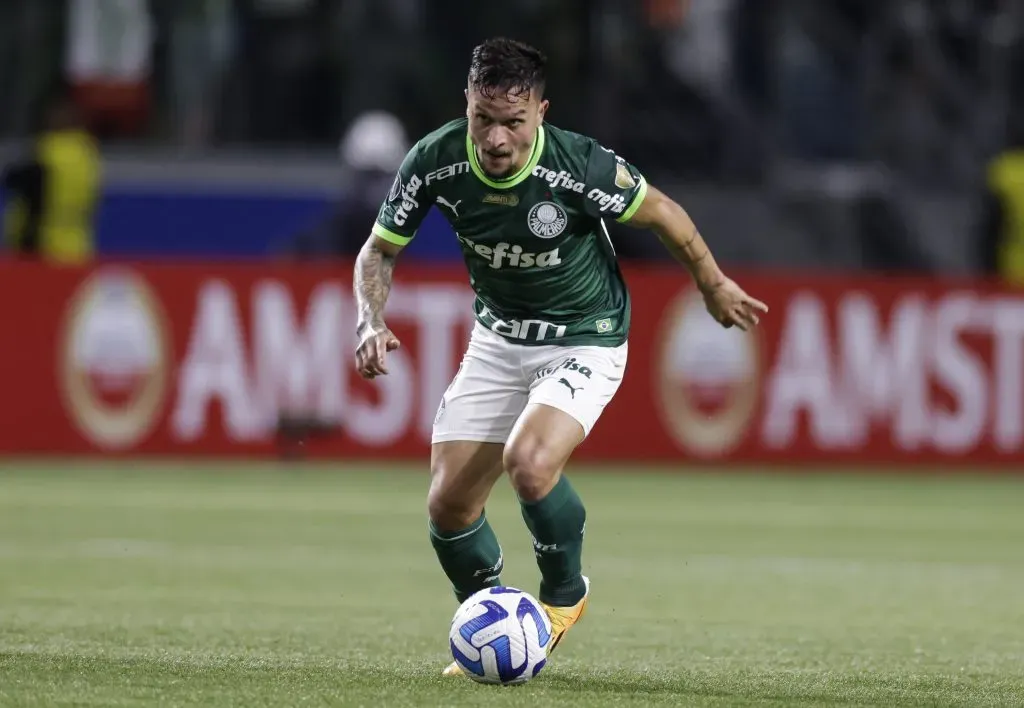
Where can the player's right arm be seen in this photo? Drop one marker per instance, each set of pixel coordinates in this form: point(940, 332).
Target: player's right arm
point(375, 266)
point(399, 217)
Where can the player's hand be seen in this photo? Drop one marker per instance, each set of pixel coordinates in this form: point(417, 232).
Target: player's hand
point(374, 344)
point(729, 305)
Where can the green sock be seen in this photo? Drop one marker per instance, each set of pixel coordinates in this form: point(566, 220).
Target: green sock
point(470, 557)
point(556, 522)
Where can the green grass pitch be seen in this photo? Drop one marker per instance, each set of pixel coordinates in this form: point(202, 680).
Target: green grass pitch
point(185, 584)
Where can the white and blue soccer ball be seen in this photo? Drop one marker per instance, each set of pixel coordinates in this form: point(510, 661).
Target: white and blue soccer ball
point(500, 636)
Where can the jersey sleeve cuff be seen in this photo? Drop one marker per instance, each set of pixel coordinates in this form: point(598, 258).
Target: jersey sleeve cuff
point(638, 199)
point(390, 236)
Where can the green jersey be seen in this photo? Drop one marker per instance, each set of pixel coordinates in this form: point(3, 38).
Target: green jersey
point(539, 257)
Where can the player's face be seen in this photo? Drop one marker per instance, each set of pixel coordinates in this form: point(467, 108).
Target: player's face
point(503, 129)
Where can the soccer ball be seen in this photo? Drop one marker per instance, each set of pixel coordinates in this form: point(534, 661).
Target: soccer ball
point(500, 636)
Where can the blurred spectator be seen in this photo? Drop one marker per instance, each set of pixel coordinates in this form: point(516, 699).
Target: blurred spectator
point(700, 52)
point(885, 239)
point(31, 36)
point(752, 25)
point(52, 192)
point(200, 48)
point(818, 81)
point(289, 81)
point(109, 58)
point(371, 153)
point(1002, 210)
point(375, 39)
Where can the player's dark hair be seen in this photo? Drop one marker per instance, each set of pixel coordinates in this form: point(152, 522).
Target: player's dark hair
point(505, 67)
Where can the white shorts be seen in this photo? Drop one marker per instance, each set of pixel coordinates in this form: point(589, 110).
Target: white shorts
point(497, 379)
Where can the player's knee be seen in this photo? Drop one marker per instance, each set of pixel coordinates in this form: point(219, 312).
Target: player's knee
point(450, 514)
point(531, 468)
point(447, 509)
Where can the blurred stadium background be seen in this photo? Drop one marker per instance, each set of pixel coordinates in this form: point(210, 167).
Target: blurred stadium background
point(201, 504)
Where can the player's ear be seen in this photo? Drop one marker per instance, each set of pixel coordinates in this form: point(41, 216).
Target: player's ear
point(543, 108)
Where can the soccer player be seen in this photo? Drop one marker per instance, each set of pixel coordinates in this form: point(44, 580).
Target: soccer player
point(547, 353)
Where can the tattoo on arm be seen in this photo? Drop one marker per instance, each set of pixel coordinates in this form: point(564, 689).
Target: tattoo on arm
point(693, 252)
point(372, 284)
point(676, 230)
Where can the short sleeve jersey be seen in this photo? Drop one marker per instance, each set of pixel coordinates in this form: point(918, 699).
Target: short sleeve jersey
point(539, 257)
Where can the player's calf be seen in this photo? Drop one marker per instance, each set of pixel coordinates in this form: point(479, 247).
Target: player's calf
point(462, 474)
point(471, 557)
point(534, 457)
point(464, 542)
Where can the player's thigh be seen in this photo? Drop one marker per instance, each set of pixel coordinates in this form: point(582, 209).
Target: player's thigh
point(579, 381)
point(462, 474)
point(487, 395)
point(538, 449)
point(570, 391)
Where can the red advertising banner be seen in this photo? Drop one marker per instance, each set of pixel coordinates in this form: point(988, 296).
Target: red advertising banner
point(231, 360)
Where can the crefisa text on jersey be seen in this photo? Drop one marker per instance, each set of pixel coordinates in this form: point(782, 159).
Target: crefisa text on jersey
point(614, 203)
point(607, 202)
point(408, 197)
point(558, 179)
point(502, 254)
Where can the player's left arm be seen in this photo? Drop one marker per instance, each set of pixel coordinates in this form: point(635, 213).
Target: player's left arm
point(725, 300)
point(615, 188)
